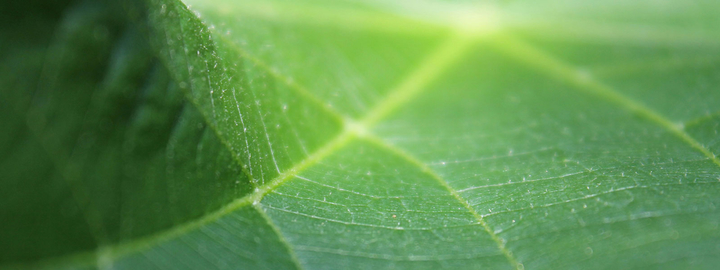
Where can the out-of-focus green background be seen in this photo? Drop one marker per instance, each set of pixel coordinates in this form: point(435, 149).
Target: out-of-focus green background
point(359, 134)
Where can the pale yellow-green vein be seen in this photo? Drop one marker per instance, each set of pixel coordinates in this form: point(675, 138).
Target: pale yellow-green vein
point(554, 67)
point(427, 72)
point(443, 56)
point(701, 119)
point(379, 142)
point(281, 238)
point(350, 132)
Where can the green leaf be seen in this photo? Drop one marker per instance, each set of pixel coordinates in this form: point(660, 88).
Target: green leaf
point(323, 134)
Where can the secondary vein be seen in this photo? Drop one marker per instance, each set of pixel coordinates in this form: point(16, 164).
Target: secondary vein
point(428, 71)
point(283, 240)
point(430, 172)
point(550, 65)
point(440, 57)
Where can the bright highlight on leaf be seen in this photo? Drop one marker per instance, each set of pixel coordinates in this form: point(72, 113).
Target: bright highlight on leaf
point(360, 134)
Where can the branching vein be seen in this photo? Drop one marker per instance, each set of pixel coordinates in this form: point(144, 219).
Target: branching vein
point(427, 170)
point(446, 55)
point(554, 67)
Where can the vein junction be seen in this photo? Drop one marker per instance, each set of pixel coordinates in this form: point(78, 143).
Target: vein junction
point(460, 41)
point(430, 68)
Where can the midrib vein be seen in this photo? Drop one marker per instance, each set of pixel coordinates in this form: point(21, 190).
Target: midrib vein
point(554, 67)
point(410, 87)
point(418, 79)
point(427, 71)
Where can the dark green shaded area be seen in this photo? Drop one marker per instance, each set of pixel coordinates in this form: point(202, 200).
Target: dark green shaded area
point(267, 125)
point(235, 134)
point(100, 145)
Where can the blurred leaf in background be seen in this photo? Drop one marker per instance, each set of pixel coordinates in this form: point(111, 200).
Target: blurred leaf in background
point(359, 134)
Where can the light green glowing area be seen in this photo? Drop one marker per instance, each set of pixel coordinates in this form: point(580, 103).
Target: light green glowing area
point(360, 134)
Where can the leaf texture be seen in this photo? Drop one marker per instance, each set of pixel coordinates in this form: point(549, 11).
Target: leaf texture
point(363, 134)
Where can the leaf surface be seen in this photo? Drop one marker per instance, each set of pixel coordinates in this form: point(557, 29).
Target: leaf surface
point(364, 134)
